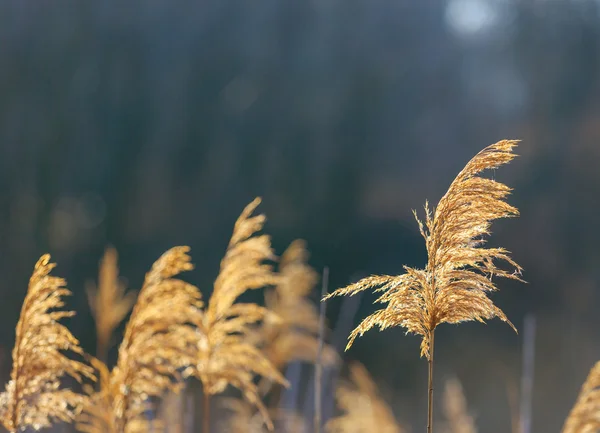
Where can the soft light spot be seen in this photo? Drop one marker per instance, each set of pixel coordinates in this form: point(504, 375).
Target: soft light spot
point(470, 17)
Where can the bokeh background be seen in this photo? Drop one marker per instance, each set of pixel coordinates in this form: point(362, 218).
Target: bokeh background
point(148, 124)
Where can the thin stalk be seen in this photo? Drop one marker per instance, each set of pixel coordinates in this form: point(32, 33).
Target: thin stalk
point(101, 351)
point(512, 394)
point(318, 361)
point(430, 381)
point(122, 421)
point(189, 413)
point(206, 413)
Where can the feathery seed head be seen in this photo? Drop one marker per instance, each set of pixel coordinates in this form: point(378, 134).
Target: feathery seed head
point(454, 285)
point(585, 415)
point(244, 419)
point(455, 408)
point(108, 301)
point(363, 410)
point(33, 397)
point(225, 354)
point(159, 344)
point(294, 336)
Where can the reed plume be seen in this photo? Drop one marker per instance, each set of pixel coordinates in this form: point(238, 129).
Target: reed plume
point(295, 335)
point(226, 355)
point(363, 410)
point(108, 302)
point(455, 408)
point(33, 397)
point(454, 285)
point(97, 416)
point(585, 415)
point(244, 419)
point(158, 346)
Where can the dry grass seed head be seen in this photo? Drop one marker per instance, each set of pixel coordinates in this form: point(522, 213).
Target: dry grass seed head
point(585, 415)
point(243, 418)
point(363, 410)
point(33, 397)
point(295, 335)
point(97, 416)
point(159, 341)
point(226, 354)
point(454, 286)
point(108, 302)
point(455, 408)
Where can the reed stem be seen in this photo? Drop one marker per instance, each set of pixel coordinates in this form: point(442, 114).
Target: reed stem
point(206, 413)
point(319, 361)
point(430, 382)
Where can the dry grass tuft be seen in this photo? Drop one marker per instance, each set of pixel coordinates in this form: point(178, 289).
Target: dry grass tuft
point(33, 397)
point(363, 409)
point(454, 285)
point(244, 419)
point(226, 355)
point(453, 288)
point(108, 302)
point(456, 410)
point(97, 416)
point(158, 345)
point(295, 335)
point(159, 339)
point(585, 415)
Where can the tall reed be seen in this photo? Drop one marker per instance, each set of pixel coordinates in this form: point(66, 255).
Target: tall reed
point(34, 397)
point(242, 418)
point(455, 283)
point(158, 347)
point(226, 355)
point(108, 301)
point(294, 334)
point(585, 415)
point(458, 418)
point(363, 410)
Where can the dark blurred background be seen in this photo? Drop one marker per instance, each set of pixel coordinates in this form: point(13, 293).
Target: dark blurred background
point(148, 124)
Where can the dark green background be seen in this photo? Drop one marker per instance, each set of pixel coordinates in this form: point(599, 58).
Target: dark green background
point(148, 124)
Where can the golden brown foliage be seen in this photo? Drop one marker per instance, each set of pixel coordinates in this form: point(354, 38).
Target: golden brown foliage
point(108, 301)
point(226, 355)
point(585, 415)
point(295, 335)
point(97, 416)
point(455, 408)
point(158, 345)
point(244, 419)
point(33, 397)
point(453, 287)
point(363, 410)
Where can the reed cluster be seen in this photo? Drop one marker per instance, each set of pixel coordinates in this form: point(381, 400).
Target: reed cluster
point(173, 336)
